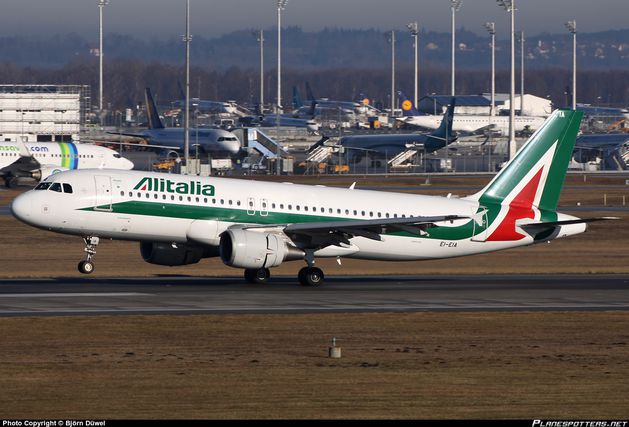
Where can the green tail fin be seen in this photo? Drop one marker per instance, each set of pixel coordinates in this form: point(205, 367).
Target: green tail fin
point(536, 174)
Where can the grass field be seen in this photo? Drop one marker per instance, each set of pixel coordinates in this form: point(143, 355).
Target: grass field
point(420, 365)
point(394, 365)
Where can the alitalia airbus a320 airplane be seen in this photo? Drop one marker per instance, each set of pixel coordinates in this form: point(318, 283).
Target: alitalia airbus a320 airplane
point(179, 219)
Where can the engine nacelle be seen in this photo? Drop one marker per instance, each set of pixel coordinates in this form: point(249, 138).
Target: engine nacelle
point(45, 172)
point(171, 255)
point(251, 249)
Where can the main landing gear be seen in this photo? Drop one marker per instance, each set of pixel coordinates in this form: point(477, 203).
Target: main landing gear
point(86, 266)
point(311, 275)
point(308, 276)
point(260, 275)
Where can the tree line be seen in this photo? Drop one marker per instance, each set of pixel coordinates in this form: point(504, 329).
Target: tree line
point(125, 80)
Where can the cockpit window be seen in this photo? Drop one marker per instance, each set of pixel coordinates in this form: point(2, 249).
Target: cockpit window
point(55, 187)
point(117, 156)
point(43, 186)
point(67, 188)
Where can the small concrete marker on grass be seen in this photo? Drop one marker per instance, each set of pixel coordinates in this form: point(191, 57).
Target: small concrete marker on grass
point(334, 352)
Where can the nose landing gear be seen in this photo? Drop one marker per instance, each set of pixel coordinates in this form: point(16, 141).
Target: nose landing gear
point(86, 266)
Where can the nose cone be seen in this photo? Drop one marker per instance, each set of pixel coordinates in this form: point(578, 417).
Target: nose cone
point(126, 164)
point(232, 147)
point(22, 207)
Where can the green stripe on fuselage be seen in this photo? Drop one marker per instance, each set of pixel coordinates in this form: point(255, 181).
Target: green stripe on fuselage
point(238, 215)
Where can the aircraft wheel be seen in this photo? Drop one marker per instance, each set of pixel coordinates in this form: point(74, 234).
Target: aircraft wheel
point(86, 267)
point(11, 182)
point(260, 275)
point(311, 276)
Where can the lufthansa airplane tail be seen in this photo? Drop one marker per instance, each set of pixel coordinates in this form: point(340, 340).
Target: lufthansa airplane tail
point(408, 109)
point(151, 112)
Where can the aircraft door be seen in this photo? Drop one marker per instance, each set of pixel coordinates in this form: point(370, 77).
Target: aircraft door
point(103, 192)
point(251, 206)
point(264, 207)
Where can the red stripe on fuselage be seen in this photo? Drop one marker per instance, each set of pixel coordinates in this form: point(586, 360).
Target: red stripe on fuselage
point(520, 207)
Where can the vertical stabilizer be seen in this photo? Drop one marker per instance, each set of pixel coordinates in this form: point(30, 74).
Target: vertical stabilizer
point(151, 112)
point(535, 176)
point(309, 93)
point(408, 109)
point(297, 101)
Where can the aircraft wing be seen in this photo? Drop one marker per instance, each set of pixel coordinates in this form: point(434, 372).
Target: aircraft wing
point(327, 233)
point(23, 163)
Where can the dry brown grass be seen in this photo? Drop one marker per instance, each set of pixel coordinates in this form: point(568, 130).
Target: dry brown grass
point(416, 365)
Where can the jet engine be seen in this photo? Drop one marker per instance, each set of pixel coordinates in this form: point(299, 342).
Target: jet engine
point(45, 172)
point(253, 250)
point(174, 254)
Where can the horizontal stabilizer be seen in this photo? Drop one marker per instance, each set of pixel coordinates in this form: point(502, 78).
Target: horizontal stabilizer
point(536, 227)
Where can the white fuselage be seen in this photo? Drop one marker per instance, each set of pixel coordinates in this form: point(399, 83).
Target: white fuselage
point(61, 156)
point(473, 123)
point(142, 206)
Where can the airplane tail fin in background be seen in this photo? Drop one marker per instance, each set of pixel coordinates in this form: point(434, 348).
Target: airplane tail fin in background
point(297, 101)
point(445, 128)
point(534, 177)
point(182, 94)
point(309, 93)
point(408, 109)
point(151, 112)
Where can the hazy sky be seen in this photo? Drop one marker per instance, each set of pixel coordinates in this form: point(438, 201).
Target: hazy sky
point(214, 17)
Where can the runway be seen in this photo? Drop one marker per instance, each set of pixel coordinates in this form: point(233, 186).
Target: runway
point(203, 295)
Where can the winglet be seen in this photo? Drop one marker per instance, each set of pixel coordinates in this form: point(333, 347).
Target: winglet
point(24, 151)
point(351, 187)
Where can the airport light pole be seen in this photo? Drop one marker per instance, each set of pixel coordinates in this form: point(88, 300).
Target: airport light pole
point(281, 5)
point(521, 40)
point(455, 5)
point(392, 40)
point(101, 5)
point(414, 29)
point(509, 6)
point(572, 27)
point(260, 37)
point(187, 38)
point(491, 28)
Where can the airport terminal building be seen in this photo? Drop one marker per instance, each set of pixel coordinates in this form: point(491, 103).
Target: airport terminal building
point(42, 113)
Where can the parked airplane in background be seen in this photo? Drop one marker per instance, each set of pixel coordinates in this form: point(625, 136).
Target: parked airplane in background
point(391, 145)
point(217, 142)
point(471, 124)
point(29, 161)
point(359, 107)
point(257, 225)
point(611, 148)
point(204, 105)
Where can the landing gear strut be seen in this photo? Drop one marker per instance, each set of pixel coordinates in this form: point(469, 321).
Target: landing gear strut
point(260, 275)
point(311, 275)
point(86, 266)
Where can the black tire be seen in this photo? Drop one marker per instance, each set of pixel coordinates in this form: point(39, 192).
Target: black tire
point(260, 275)
point(311, 276)
point(86, 267)
point(11, 182)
